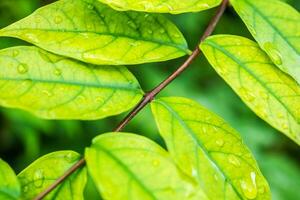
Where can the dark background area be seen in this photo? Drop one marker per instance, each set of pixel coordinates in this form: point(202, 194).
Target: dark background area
point(24, 138)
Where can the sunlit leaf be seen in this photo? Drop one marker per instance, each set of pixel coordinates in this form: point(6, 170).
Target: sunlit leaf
point(270, 93)
point(163, 6)
point(128, 166)
point(43, 172)
point(276, 27)
point(206, 148)
point(56, 87)
point(95, 33)
point(9, 186)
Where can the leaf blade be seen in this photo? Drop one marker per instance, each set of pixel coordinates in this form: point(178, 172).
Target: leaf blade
point(10, 188)
point(41, 174)
point(201, 144)
point(125, 156)
point(92, 32)
point(159, 6)
point(55, 87)
point(276, 29)
point(270, 93)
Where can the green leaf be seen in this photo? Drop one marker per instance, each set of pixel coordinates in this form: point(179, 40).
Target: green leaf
point(94, 33)
point(128, 166)
point(206, 148)
point(44, 171)
point(9, 186)
point(270, 93)
point(163, 6)
point(276, 27)
point(55, 87)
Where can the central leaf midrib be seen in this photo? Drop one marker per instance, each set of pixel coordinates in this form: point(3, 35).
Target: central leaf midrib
point(191, 133)
point(181, 47)
point(125, 168)
point(100, 86)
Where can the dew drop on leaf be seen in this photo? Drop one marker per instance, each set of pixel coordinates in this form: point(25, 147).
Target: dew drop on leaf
point(246, 94)
point(38, 178)
point(22, 68)
point(57, 72)
point(273, 53)
point(47, 93)
point(58, 19)
point(234, 160)
point(70, 157)
point(15, 53)
point(220, 142)
point(249, 187)
point(155, 163)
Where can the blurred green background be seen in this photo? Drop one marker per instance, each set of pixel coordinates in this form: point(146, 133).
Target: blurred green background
point(23, 137)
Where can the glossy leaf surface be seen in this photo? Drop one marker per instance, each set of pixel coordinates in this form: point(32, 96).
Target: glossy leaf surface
point(206, 148)
point(276, 27)
point(163, 6)
point(55, 87)
point(9, 185)
point(128, 166)
point(43, 172)
point(270, 93)
point(92, 32)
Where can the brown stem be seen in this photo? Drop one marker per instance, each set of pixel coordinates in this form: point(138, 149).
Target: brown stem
point(148, 97)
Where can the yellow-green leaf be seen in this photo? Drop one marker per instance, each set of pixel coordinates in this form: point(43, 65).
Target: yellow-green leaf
point(92, 32)
point(44, 171)
point(207, 149)
point(163, 6)
point(55, 87)
point(270, 93)
point(127, 166)
point(276, 27)
point(9, 185)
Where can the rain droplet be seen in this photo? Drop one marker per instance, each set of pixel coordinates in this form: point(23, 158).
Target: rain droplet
point(70, 157)
point(22, 68)
point(273, 53)
point(234, 160)
point(155, 163)
point(246, 94)
point(216, 177)
point(146, 15)
point(280, 115)
point(58, 19)
point(249, 187)
point(220, 142)
point(57, 72)
point(47, 93)
point(15, 53)
point(176, 35)
point(131, 24)
point(285, 126)
point(38, 178)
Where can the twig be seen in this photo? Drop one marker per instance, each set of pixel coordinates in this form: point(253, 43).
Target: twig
point(148, 97)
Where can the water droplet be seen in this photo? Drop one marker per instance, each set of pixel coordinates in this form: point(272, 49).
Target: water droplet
point(150, 31)
point(81, 98)
point(264, 95)
point(273, 53)
point(216, 177)
point(280, 115)
point(285, 126)
point(22, 68)
point(38, 178)
point(261, 190)
point(203, 5)
point(146, 15)
point(155, 163)
point(246, 94)
point(15, 53)
point(234, 160)
point(58, 19)
point(131, 24)
point(249, 187)
point(70, 157)
point(220, 142)
point(176, 35)
point(57, 72)
point(47, 93)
